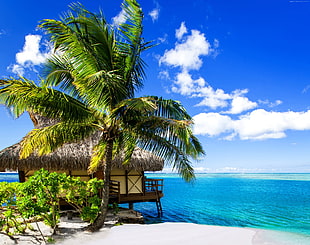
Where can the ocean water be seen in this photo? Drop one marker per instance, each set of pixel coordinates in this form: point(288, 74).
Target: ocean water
point(276, 202)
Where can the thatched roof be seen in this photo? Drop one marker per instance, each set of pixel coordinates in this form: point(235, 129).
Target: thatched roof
point(74, 156)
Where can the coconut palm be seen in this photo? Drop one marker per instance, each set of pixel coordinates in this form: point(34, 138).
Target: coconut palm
point(90, 86)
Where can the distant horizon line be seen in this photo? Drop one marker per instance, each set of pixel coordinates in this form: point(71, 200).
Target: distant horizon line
point(159, 172)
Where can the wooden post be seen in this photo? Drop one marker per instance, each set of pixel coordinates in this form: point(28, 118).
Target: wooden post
point(126, 182)
point(130, 205)
point(22, 177)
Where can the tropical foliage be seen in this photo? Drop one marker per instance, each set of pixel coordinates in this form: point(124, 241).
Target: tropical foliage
point(91, 80)
point(39, 198)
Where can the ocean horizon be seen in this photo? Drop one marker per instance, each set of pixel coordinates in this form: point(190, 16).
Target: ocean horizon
point(271, 201)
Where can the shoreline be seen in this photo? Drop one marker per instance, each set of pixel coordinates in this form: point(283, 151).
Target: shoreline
point(169, 233)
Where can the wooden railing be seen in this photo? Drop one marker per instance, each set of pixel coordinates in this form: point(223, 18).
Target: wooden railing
point(115, 189)
point(153, 185)
point(150, 185)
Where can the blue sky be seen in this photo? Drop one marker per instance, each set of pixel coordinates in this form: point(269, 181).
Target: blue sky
point(241, 69)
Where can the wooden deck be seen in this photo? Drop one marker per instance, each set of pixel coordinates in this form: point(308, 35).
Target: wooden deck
point(152, 192)
point(137, 197)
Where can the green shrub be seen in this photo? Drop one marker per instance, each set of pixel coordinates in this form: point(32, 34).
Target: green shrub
point(11, 220)
point(39, 198)
point(84, 197)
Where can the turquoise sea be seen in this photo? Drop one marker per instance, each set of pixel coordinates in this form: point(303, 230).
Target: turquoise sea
point(277, 202)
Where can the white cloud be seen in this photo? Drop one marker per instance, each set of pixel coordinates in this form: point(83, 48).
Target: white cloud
point(276, 103)
point(31, 55)
point(164, 75)
point(17, 69)
point(120, 18)
point(154, 14)
point(261, 124)
point(181, 31)
point(238, 169)
point(212, 124)
point(213, 98)
point(240, 104)
point(185, 84)
point(257, 125)
point(186, 54)
point(31, 52)
point(270, 104)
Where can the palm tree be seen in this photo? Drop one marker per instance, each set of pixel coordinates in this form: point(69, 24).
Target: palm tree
point(90, 85)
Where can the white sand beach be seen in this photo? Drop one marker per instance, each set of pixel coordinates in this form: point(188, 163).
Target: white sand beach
point(167, 234)
point(185, 234)
point(161, 234)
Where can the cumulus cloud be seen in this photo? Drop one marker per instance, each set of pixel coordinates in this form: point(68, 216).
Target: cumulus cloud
point(31, 55)
point(31, 51)
point(186, 85)
point(187, 54)
point(240, 104)
point(256, 125)
point(212, 124)
point(212, 98)
point(154, 14)
point(183, 60)
point(179, 33)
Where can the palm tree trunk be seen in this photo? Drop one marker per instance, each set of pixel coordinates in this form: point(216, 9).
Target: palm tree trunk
point(99, 222)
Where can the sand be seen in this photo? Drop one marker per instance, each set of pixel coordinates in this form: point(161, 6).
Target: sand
point(186, 234)
point(156, 234)
point(167, 233)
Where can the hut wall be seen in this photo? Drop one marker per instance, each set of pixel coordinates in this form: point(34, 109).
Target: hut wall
point(131, 181)
point(82, 174)
point(135, 182)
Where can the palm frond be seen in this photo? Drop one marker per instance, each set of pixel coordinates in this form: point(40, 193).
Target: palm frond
point(162, 127)
point(132, 109)
point(103, 88)
point(48, 139)
point(167, 150)
point(98, 156)
point(24, 95)
point(131, 44)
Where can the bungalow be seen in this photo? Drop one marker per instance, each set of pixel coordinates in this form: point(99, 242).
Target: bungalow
point(128, 183)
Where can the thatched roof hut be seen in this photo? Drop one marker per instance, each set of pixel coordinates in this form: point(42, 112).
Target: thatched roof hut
point(74, 156)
